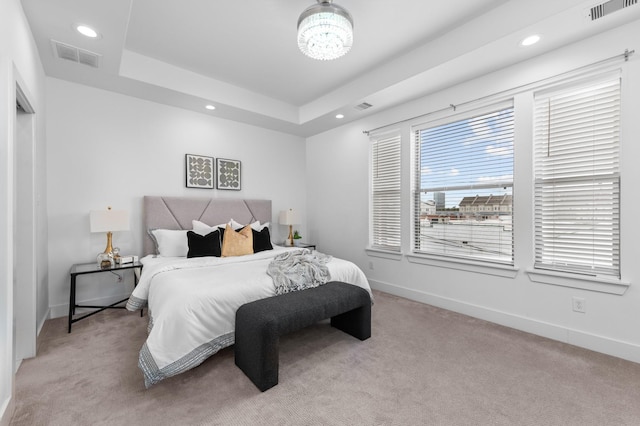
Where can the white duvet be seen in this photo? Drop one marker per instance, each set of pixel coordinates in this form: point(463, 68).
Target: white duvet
point(192, 304)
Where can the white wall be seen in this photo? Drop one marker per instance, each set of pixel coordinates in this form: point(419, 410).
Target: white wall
point(107, 149)
point(19, 62)
point(337, 171)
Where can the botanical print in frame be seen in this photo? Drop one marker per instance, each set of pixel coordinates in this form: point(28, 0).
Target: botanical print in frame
point(199, 171)
point(228, 174)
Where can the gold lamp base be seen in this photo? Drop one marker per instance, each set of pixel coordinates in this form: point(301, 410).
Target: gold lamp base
point(105, 259)
point(290, 237)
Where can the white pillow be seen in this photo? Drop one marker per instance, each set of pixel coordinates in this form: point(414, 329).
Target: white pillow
point(256, 226)
point(171, 243)
point(204, 229)
point(235, 225)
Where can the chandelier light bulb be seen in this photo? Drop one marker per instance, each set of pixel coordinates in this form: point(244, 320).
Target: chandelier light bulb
point(325, 31)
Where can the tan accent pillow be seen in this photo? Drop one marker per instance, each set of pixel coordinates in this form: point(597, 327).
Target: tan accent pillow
point(237, 243)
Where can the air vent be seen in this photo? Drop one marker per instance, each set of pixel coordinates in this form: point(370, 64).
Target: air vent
point(363, 106)
point(75, 54)
point(606, 8)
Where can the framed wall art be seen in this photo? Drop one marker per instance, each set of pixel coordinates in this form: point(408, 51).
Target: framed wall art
point(199, 171)
point(229, 172)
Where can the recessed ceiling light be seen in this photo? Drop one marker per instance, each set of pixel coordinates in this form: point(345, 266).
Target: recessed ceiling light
point(339, 116)
point(87, 31)
point(210, 107)
point(532, 39)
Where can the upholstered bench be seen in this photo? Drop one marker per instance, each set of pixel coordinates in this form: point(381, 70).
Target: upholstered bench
point(260, 324)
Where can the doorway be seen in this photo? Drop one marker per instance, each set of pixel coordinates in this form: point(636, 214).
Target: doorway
point(24, 231)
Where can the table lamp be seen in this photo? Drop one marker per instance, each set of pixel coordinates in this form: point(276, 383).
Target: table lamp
point(289, 217)
point(108, 221)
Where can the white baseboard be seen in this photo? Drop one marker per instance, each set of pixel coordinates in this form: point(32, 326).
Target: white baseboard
point(6, 411)
point(42, 321)
point(63, 310)
point(617, 348)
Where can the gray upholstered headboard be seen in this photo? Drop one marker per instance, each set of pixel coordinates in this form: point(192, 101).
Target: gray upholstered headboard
point(178, 212)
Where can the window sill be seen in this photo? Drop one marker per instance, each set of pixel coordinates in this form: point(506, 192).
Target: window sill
point(465, 265)
point(602, 285)
point(384, 254)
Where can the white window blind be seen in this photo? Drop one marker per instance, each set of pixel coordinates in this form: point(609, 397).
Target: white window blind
point(463, 195)
point(385, 193)
point(577, 181)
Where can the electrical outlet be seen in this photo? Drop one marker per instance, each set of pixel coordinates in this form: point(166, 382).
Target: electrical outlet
point(371, 265)
point(119, 278)
point(579, 304)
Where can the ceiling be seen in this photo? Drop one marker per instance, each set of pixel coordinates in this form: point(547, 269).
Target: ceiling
point(241, 56)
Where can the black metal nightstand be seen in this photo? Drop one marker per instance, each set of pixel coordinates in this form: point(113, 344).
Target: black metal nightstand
point(94, 268)
point(305, 245)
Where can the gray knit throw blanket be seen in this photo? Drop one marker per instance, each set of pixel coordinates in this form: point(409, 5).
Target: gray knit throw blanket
point(299, 269)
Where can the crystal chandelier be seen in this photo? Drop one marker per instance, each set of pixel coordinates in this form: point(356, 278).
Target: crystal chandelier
point(325, 31)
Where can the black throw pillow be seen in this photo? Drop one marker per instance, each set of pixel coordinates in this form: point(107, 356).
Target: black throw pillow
point(204, 245)
point(261, 240)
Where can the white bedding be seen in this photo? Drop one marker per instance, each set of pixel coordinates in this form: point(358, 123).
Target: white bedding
point(192, 304)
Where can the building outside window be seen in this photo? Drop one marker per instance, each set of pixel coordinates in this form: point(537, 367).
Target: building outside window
point(464, 166)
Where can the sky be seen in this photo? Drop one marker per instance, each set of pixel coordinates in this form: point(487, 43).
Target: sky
point(468, 157)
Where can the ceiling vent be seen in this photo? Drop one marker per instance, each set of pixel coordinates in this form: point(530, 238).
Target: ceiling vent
point(606, 8)
point(75, 54)
point(363, 106)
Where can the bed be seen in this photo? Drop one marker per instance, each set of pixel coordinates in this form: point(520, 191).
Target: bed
point(192, 301)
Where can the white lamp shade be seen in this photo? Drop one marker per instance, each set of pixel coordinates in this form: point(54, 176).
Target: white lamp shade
point(289, 217)
point(109, 220)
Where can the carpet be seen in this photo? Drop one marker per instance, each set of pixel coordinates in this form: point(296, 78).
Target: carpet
point(422, 366)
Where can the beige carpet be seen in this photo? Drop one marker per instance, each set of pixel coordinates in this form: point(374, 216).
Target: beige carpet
point(422, 366)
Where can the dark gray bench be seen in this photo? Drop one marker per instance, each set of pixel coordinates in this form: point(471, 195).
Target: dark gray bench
point(260, 324)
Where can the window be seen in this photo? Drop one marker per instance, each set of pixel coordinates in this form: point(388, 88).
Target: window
point(385, 193)
point(577, 182)
point(463, 193)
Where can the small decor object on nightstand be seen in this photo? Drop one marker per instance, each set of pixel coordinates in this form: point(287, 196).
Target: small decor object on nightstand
point(126, 259)
point(199, 171)
point(229, 174)
point(108, 221)
point(297, 238)
point(105, 260)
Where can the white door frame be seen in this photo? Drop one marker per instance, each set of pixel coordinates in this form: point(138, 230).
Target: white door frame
point(24, 228)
